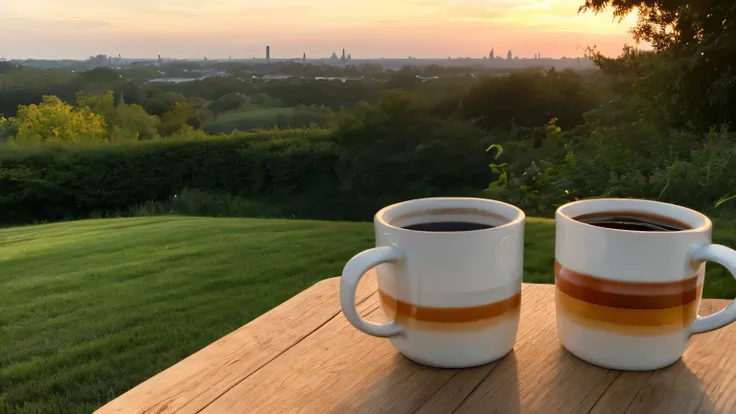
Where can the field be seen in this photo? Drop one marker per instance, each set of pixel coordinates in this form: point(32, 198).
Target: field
point(89, 309)
point(254, 118)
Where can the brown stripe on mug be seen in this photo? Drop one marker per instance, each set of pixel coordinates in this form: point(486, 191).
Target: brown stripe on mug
point(449, 319)
point(628, 308)
point(632, 322)
point(627, 295)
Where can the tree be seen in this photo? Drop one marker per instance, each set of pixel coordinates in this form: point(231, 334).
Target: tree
point(133, 122)
point(100, 104)
point(122, 123)
point(696, 43)
point(228, 103)
point(180, 115)
point(55, 121)
point(528, 98)
point(405, 79)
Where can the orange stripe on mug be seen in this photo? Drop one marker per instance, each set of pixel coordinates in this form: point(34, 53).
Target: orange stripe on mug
point(634, 322)
point(626, 295)
point(458, 318)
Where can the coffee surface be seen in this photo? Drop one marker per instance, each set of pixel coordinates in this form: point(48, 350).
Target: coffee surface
point(448, 226)
point(634, 221)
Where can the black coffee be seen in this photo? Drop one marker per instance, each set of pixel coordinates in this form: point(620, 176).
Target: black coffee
point(448, 226)
point(633, 221)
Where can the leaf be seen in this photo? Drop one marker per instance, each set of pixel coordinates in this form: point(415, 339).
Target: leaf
point(724, 199)
point(498, 148)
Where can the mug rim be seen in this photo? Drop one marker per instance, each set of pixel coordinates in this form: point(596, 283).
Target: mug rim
point(706, 226)
point(520, 215)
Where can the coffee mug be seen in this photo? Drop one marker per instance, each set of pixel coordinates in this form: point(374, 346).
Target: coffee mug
point(629, 279)
point(449, 276)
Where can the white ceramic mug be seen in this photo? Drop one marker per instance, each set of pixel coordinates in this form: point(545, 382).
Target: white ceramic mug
point(454, 297)
point(628, 300)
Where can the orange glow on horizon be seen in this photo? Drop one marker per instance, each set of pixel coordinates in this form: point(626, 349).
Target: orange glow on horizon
point(242, 28)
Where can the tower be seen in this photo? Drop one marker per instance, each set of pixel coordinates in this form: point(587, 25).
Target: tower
point(343, 55)
point(510, 55)
point(304, 57)
point(268, 52)
point(492, 54)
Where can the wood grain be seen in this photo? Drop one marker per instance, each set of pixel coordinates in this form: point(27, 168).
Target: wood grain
point(193, 383)
point(336, 369)
point(540, 376)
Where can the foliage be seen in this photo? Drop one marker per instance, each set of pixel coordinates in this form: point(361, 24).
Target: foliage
point(124, 122)
point(182, 114)
point(695, 45)
point(501, 169)
point(228, 102)
point(55, 121)
point(63, 182)
point(251, 118)
point(691, 169)
point(528, 99)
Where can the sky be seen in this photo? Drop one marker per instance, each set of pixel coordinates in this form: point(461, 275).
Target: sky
point(77, 29)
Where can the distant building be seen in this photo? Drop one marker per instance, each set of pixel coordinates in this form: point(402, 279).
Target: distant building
point(510, 55)
point(99, 60)
point(268, 52)
point(304, 57)
point(492, 54)
point(343, 55)
point(334, 56)
point(350, 57)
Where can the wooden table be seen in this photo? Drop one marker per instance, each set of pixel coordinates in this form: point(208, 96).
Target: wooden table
point(304, 357)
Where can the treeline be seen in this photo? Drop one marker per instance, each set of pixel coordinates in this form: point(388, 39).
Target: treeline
point(224, 104)
point(375, 155)
point(332, 174)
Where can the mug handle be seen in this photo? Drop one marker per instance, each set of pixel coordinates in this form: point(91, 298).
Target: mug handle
point(351, 274)
point(727, 258)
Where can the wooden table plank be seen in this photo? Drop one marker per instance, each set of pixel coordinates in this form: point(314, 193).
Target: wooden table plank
point(193, 383)
point(329, 366)
point(336, 369)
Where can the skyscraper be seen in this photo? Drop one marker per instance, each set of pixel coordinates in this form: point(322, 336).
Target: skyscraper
point(492, 54)
point(343, 54)
point(510, 55)
point(268, 52)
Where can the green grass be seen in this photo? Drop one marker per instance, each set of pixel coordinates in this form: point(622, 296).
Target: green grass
point(250, 118)
point(266, 114)
point(90, 309)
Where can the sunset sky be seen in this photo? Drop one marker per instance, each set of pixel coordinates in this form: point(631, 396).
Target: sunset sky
point(242, 28)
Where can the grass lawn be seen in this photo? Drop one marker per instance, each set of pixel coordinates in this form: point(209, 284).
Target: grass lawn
point(249, 118)
point(89, 309)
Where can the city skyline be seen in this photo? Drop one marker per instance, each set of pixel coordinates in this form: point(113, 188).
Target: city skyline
point(77, 29)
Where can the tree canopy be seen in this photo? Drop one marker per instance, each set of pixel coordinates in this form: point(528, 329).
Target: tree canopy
point(692, 76)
